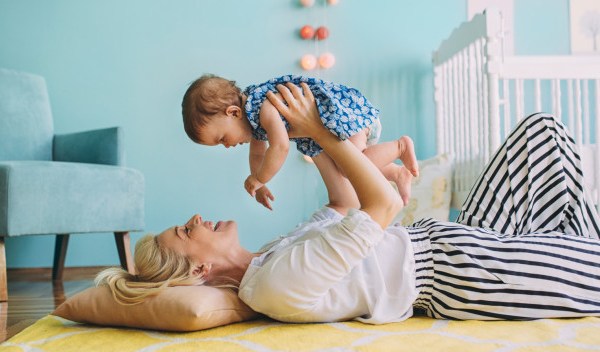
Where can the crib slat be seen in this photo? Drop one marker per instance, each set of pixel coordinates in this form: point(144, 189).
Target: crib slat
point(577, 115)
point(538, 96)
point(556, 99)
point(458, 140)
point(442, 109)
point(570, 104)
point(448, 104)
point(506, 104)
point(462, 124)
point(439, 111)
point(473, 120)
point(480, 100)
point(519, 99)
point(597, 145)
point(494, 131)
point(586, 112)
point(451, 113)
point(485, 103)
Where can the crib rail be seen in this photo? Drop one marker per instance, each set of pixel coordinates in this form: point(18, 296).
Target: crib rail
point(480, 95)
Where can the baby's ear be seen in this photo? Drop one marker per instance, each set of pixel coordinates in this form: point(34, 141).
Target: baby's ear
point(233, 111)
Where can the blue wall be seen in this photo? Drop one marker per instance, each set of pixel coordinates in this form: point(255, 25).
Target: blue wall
point(128, 63)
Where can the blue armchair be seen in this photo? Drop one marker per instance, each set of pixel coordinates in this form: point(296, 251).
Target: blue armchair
point(60, 184)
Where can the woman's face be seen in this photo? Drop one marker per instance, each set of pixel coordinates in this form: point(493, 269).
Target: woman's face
point(203, 241)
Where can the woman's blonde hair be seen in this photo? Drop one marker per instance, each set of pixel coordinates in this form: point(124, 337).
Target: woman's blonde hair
point(157, 268)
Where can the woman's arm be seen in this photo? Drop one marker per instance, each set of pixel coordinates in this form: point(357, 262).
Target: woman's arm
point(376, 195)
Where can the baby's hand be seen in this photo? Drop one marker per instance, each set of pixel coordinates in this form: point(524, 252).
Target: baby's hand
point(252, 184)
point(264, 197)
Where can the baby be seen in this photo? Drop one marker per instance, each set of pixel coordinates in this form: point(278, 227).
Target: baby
point(215, 111)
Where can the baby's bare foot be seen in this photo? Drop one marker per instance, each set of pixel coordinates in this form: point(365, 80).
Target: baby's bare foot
point(407, 155)
point(403, 183)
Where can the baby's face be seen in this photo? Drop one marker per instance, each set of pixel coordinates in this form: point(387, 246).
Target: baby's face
point(227, 131)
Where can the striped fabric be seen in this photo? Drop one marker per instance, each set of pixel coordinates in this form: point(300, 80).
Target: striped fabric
point(526, 245)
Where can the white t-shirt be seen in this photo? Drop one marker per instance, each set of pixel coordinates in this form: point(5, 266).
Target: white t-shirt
point(334, 268)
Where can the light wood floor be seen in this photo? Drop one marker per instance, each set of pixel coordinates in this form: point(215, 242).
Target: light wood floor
point(32, 295)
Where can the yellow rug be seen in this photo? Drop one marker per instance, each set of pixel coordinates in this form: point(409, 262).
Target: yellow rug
point(416, 334)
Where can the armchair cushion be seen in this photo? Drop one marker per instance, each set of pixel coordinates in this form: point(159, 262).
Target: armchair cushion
point(102, 146)
point(42, 197)
point(26, 129)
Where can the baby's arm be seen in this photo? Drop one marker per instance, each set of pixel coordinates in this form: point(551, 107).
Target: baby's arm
point(257, 155)
point(275, 153)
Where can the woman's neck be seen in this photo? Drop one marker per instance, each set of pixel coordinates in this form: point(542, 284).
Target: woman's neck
point(240, 268)
point(236, 267)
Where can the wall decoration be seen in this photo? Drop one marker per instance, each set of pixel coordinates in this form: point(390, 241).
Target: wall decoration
point(326, 60)
point(585, 27)
point(307, 32)
point(316, 31)
point(322, 33)
point(308, 62)
point(307, 3)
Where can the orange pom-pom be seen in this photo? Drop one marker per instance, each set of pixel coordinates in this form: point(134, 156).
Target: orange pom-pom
point(322, 33)
point(307, 32)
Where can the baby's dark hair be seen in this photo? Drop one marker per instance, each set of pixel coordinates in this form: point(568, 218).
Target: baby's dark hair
point(206, 97)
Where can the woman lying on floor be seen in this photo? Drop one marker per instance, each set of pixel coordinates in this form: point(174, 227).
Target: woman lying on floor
point(525, 245)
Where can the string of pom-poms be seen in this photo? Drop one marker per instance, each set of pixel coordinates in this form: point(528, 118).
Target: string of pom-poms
point(317, 34)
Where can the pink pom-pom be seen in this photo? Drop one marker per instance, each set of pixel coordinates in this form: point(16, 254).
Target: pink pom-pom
point(308, 62)
point(333, 2)
point(326, 60)
point(307, 3)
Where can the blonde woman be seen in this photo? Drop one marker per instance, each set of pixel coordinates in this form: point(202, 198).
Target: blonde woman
point(525, 245)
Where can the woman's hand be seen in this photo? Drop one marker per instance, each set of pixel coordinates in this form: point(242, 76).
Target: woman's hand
point(301, 111)
point(375, 194)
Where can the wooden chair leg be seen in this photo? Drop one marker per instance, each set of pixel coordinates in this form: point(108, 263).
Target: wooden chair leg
point(60, 253)
point(3, 283)
point(58, 291)
point(123, 247)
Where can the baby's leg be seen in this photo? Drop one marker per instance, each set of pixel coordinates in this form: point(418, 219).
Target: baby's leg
point(383, 156)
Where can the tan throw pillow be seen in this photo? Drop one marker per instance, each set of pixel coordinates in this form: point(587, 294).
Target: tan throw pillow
point(431, 193)
point(181, 308)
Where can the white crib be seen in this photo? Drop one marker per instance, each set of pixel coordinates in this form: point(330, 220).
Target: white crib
point(480, 94)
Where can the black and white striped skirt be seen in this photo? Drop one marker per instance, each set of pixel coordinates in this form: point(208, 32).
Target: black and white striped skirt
point(526, 244)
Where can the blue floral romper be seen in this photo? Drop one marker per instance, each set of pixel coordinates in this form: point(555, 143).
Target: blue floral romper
point(344, 111)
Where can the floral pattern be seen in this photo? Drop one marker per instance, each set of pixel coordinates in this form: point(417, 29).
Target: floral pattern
point(344, 110)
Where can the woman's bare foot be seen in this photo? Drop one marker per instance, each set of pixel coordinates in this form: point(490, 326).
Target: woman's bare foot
point(407, 155)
